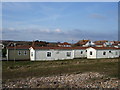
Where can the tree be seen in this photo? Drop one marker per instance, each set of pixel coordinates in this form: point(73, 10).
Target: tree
point(4, 52)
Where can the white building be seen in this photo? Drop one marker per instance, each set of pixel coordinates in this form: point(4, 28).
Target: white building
point(80, 52)
point(107, 44)
point(61, 53)
point(65, 44)
point(1, 46)
point(85, 43)
point(51, 53)
point(88, 44)
point(56, 53)
point(102, 52)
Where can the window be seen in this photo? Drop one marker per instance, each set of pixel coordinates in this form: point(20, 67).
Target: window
point(19, 52)
point(109, 51)
point(90, 52)
point(81, 52)
point(86, 50)
point(104, 53)
point(31, 53)
point(68, 54)
point(57, 52)
point(48, 54)
point(116, 53)
point(25, 52)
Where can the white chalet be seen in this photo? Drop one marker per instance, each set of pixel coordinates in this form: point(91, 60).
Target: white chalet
point(61, 53)
point(102, 52)
point(51, 53)
point(56, 53)
point(65, 44)
point(88, 44)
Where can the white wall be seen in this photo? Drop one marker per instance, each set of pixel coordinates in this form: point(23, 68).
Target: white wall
point(89, 44)
point(99, 53)
point(77, 53)
point(99, 45)
point(108, 54)
point(55, 54)
point(119, 53)
point(62, 54)
point(32, 58)
point(93, 53)
point(7, 54)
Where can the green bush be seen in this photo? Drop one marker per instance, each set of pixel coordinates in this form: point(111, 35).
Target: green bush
point(4, 52)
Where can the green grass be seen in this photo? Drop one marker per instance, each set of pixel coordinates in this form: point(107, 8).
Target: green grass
point(23, 69)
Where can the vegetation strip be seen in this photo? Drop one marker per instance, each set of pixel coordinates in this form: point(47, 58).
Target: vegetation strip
point(23, 69)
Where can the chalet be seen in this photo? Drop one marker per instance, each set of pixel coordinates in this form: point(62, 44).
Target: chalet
point(20, 43)
point(2, 46)
point(57, 53)
point(80, 52)
point(51, 53)
point(18, 53)
point(100, 43)
point(85, 43)
point(12, 44)
point(116, 44)
point(53, 44)
point(107, 44)
point(89, 44)
point(60, 53)
point(65, 44)
point(102, 52)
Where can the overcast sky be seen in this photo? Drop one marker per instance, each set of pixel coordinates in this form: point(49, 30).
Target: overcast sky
point(60, 21)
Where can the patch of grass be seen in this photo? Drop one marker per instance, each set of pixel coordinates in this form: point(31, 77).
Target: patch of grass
point(23, 69)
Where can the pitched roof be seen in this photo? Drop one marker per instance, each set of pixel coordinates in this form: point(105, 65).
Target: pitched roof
point(98, 43)
point(101, 41)
point(115, 44)
point(52, 44)
point(46, 48)
point(82, 42)
point(105, 48)
point(59, 48)
point(65, 43)
point(18, 47)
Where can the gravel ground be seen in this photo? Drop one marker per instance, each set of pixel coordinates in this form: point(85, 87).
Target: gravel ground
point(80, 80)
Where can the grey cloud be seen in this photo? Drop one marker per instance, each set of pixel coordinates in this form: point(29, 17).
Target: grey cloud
point(9, 31)
point(50, 35)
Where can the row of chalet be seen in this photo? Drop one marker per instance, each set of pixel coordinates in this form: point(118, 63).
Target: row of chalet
point(101, 43)
point(82, 43)
point(37, 53)
point(39, 44)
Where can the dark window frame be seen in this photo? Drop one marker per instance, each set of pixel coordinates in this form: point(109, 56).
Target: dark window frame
point(19, 53)
point(25, 52)
point(91, 53)
point(81, 52)
point(104, 53)
point(68, 54)
point(110, 51)
point(49, 54)
point(32, 54)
